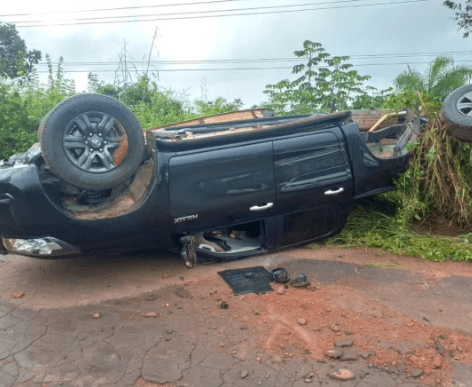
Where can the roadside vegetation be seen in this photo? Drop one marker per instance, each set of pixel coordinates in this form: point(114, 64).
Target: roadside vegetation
point(437, 186)
point(24, 100)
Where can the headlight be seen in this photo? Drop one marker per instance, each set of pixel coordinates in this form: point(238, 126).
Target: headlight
point(47, 246)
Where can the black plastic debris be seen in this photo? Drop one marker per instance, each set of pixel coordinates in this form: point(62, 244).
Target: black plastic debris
point(248, 280)
point(280, 275)
point(301, 281)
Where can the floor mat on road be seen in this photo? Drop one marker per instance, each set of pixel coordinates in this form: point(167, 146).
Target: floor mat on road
point(248, 280)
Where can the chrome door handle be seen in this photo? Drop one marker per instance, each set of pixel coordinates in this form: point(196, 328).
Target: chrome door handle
point(262, 208)
point(338, 191)
point(5, 199)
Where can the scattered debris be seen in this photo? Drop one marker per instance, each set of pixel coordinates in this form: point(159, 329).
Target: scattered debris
point(440, 347)
point(437, 362)
point(280, 275)
point(335, 328)
point(151, 297)
point(248, 280)
point(300, 282)
point(342, 375)
point(349, 355)
point(150, 314)
point(301, 321)
point(182, 292)
point(244, 374)
point(96, 315)
point(312, 288)
point(281, 290)
point(368, 354)
point(335, 353)
point(344, 343)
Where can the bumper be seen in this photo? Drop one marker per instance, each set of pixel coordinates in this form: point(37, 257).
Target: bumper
point(23, 205)
point(47, 247)
point(32, 222)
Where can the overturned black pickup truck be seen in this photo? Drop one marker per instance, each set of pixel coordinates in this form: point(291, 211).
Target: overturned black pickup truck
point(222, 187)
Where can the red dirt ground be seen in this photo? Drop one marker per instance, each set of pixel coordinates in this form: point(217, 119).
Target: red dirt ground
point(397, 339)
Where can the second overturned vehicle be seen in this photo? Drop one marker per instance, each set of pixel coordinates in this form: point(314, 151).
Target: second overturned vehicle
point(222, 187)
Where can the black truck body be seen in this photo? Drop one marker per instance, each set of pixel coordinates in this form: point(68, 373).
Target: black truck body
point(224, 190)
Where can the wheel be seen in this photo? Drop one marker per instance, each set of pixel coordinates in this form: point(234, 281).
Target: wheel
point(92, 141)
point(457, 109)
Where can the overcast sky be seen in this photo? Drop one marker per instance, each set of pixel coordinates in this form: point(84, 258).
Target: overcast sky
point(410, 28)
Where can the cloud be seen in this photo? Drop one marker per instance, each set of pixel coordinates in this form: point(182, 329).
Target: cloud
point(402, 28)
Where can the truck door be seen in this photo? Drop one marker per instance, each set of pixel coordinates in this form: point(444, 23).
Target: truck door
point(223, 187)
point(313, 186)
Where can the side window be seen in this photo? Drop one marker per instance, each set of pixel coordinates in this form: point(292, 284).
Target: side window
point(220, 187)
point(306, 167)
point(313, 186)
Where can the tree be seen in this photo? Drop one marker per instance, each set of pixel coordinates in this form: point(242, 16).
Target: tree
point(463, 15)
point(218, 106)
point(367, 101)
point(281, 96)
point(441, 78)
point(324, 78)
point(15, 59)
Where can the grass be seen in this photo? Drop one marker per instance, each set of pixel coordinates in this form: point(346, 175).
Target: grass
point(368, 227)
point(437, 185)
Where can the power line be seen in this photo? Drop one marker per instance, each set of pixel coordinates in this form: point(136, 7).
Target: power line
point(223, 15)
point(117, 9)
point(261, 60)
point(243, 68)
point(194, 12)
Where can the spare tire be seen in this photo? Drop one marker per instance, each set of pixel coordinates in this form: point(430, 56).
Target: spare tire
point(457, 109)
point(92, 141)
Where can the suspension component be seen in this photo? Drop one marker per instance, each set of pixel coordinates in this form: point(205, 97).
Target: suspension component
point(188, 252)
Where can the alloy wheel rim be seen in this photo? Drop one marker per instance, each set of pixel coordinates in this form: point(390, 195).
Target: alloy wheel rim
point(95, 142)
point(464, 104)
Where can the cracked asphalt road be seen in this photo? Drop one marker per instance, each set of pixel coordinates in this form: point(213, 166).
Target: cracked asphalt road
point(161, 325)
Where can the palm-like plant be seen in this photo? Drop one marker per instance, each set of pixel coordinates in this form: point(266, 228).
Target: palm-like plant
point(441, 78)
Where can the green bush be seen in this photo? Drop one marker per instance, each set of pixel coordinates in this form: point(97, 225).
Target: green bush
point(436, 187)
point(24, 103)
point(367, 227)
